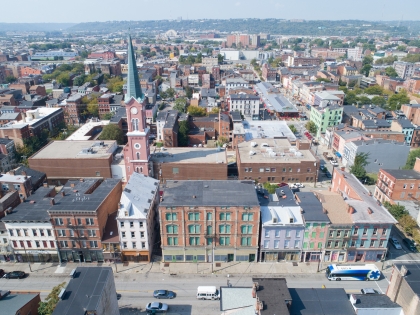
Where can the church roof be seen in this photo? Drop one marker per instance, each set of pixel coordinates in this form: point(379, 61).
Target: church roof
point(133, 83)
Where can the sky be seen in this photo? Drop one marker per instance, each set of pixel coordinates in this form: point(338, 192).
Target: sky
point(76, 11)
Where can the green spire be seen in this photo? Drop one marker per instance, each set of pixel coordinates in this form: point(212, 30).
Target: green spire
point(133, 83)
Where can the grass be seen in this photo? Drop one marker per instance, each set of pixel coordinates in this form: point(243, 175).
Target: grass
point(373, 176)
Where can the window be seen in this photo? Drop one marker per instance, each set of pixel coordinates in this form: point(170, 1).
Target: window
point(331, 234)
point(41, 232)
point(91, 233)
point(194, 228)
point(384, 231)
point(375, 231)
point(246, 241)
point(98, 173)
point(18, 232)
point(362, 243)
point(286, 244)
point(175, 170)
point(58, 221)
point(246, 229)
point(338, 233)
point(194, 241)
point(64, 244)
point(209, 241)
point(209, 230)
point(224, 228)
point(194, 216)
point(224, 241)
point(141, 234)
point(250, 169)
point(381, 243)
point(209, 216)
point(143, 244)
point(297, 244)
point(266, 244)
point(313, 234)
point(353, 244)
point(224, 216)
point(71, 233)
point(273, 170)
point(337, 244)
point(346, 233)
point(61, 232)
point(89, 221)
point(134, 244)
point(329, 244)
point(356, 231)
point(34, 232)
point(267, 170)
point(28, 243)
point(277, 233)
point(93, 244)
point(124, 244)
point(321, 234)
point(172, 229)
point(298, 233)
point(68, 221)
point(365, 231)
point(171, 216)
point(133, 234)
point(131, 224)
point(247, 216)
point(84, 244)
point(261, 170)
point(79, 221)
point(25, 232)
point(290, 169)
point(372, 243)
point(52, 244)
point(123, 234)
point(288, 233)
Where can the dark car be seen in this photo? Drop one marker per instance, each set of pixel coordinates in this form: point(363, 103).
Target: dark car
point(1, 273)
point(14, 275)
point(156, 307)
point(163, 294)
point(328, 175)
point(410, 245)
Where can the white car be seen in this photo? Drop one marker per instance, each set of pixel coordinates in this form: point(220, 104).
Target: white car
point(299, 185)
point(395, 243)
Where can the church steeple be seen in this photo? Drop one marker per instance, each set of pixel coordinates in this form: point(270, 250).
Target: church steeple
point(133, 83)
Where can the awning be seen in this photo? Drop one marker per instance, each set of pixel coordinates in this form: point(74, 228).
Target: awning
point(338, 154)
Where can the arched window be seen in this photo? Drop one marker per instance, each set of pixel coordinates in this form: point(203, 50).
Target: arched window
point(141, 169)
point(134, 124)
point(138, 155)
point(137, 169)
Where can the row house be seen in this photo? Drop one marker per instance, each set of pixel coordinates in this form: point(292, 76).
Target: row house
point(73, 109)
point(282, 227)
point(412, 85)
point(197, 227)
point(137, 218)
point(269, 74)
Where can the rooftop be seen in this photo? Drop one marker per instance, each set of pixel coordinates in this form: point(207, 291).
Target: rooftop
point(412, 277)
point(336, 207)
point(32, 117)
point(274, 100)
point(137, 197)
point(85, 131)
point(330, 301)
point(279, 151)
point(84, 291)
point(375, 301)
point(203, 192)
point(110, 234)
point(403, 174)
point(312, 207)
point(76, 149)
point(267, 129)
point(239, 300)
point(12, 303)
point(190, 155)
point(274, 294)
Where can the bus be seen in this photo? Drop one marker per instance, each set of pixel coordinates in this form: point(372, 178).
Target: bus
point(352, 272)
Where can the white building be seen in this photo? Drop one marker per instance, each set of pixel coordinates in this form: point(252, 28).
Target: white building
point(404, 69)
point(6, 252)
point(234, 83)
point(374, 304)
point(355, 53)
point(137, 218)
point(247, 104)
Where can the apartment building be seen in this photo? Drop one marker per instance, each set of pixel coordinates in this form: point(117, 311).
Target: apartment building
point(196, 226)
point(246, 104)
point(137, 219)
point(79, 214)
point(404, 69)
point(325, 117)
point(316, 223)
point(282, 227)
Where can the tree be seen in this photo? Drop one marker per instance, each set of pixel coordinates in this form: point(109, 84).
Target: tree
point(363, 100)
point(323, 80)
point(374, 90)
point(412, 58)
point(390, 72)
point(271, 188)
point(368, 60)
point(358, 167)
point(115, 85)
point(170, 92)
point(311, 127)
point(188, 91)
point(379, 101)
point(163, 95)
point(196, 111)
point(112, 132)
point(64, 78)
point(93, 110)
point(199, 58)
point(411, 159)
point(47, 307)
point(214, 110)
point(408, 223)
point(293, 128)
point(107, 116)
point(220, 59)
point(183, 133)
point(10, 79)
point(79, 80)
point(396, 210)
point(396, 100)
point(350, 98)
point(366, 69)
point(254, 62)
point(180, 104)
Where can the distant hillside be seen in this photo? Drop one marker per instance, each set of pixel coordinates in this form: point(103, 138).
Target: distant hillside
point(34, 27)
point(273, 26)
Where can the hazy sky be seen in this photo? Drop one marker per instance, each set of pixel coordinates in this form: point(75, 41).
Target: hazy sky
point(112, 10)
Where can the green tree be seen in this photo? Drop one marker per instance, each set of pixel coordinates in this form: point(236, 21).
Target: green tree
point(374, 90)
point(10, 79)
point(366, 69)
point(379, 101)
point(170, 92)
point(390, 72)
point(64, 78)
point(323, 80)
point(293, 128)
point(254, 62)
point(163, 95)
point(368, 60)
point(215, 110)
point(396, 210)
point(199, 58)
point(271, 188)
point(386, 60)
point(411, 159)
point(183, 133)
point(408, 223)
point(358, 167)
point(188, 91)
point(196, 111)
point(107, 116)
point(363, 100)
point(79, 80)
point(350, 98)
point(112, 132)
point(47, 307)
point(180, 104)
point(311, 127)
point(412, 58)
point(93, 110)
point(396, 100)
point(220, 59)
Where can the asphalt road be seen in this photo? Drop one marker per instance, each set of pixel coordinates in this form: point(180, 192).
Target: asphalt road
point(137, 289)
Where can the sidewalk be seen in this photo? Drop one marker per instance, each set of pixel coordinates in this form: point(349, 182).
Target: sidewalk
point(231, 268)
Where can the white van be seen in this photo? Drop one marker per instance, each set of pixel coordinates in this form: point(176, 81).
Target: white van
point(207, 293)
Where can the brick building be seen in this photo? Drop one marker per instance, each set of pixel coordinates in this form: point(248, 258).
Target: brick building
point(276, 160)
point(79, 217)
point(19, 303)
point(197, 227)
point(73, 109)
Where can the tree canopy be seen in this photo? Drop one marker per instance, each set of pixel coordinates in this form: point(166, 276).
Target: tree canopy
point(112, 132)
point(180, 104)
point(411, 159)
point(358, 167)
point(311, 127)
point(47, 307)
point(390, 72)
point(183, 133)
point(196, 111)
point(396, 100)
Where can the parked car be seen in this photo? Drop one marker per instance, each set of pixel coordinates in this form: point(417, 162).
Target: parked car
point(1, 273)
point(410, 245)
point(282, 184)
point(15, 275)
point(369, 291)
point(395, 243)
point(156, 307)
point(328, 175)
point(163, 294)
point(299, 185)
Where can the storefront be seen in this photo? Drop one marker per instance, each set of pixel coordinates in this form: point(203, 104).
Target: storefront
point(37, 256)
point(365, 255)
point(81, 255)
point(311, 256)
point(335, 256)
point(280, 256)
point(135, 256)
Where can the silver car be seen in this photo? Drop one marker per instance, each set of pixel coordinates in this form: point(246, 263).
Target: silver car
point(395, 243)
point(156, 307)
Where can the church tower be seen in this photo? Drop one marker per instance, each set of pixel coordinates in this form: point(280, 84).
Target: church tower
point(136, 151)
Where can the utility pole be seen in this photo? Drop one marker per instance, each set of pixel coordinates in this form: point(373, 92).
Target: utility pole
point(24, 248)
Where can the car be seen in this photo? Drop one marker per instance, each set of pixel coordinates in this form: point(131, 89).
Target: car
point(14, 275)
point(395, 243)
point(293, 186)
point(369, 291)
point(410, 245)
point(282, 184)
point(328, 175)
point(156, 307)
point(299, 185)
point(1, 273)
point(164, 294)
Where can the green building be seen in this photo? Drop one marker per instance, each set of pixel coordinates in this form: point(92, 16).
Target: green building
point(326, 116)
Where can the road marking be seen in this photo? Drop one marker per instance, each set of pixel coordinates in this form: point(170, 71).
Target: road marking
point(379, 286)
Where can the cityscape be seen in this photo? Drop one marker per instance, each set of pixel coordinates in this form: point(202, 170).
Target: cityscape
point(243, 166)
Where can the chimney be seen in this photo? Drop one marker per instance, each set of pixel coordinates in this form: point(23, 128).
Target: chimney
point(369, 210)
point(404, 270)
point(63, 194)
point(81, 180)
point(350, 209)
point(72, 185)
point(45, 185)
point(23, 173)
point(52, 201)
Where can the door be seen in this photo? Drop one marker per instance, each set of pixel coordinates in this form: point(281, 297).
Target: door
point(195, 258)
point(173, 258)
point(359, 256)
point(230, 257)
point(251, 257)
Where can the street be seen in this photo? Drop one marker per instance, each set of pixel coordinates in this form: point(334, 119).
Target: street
point(137, 289)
